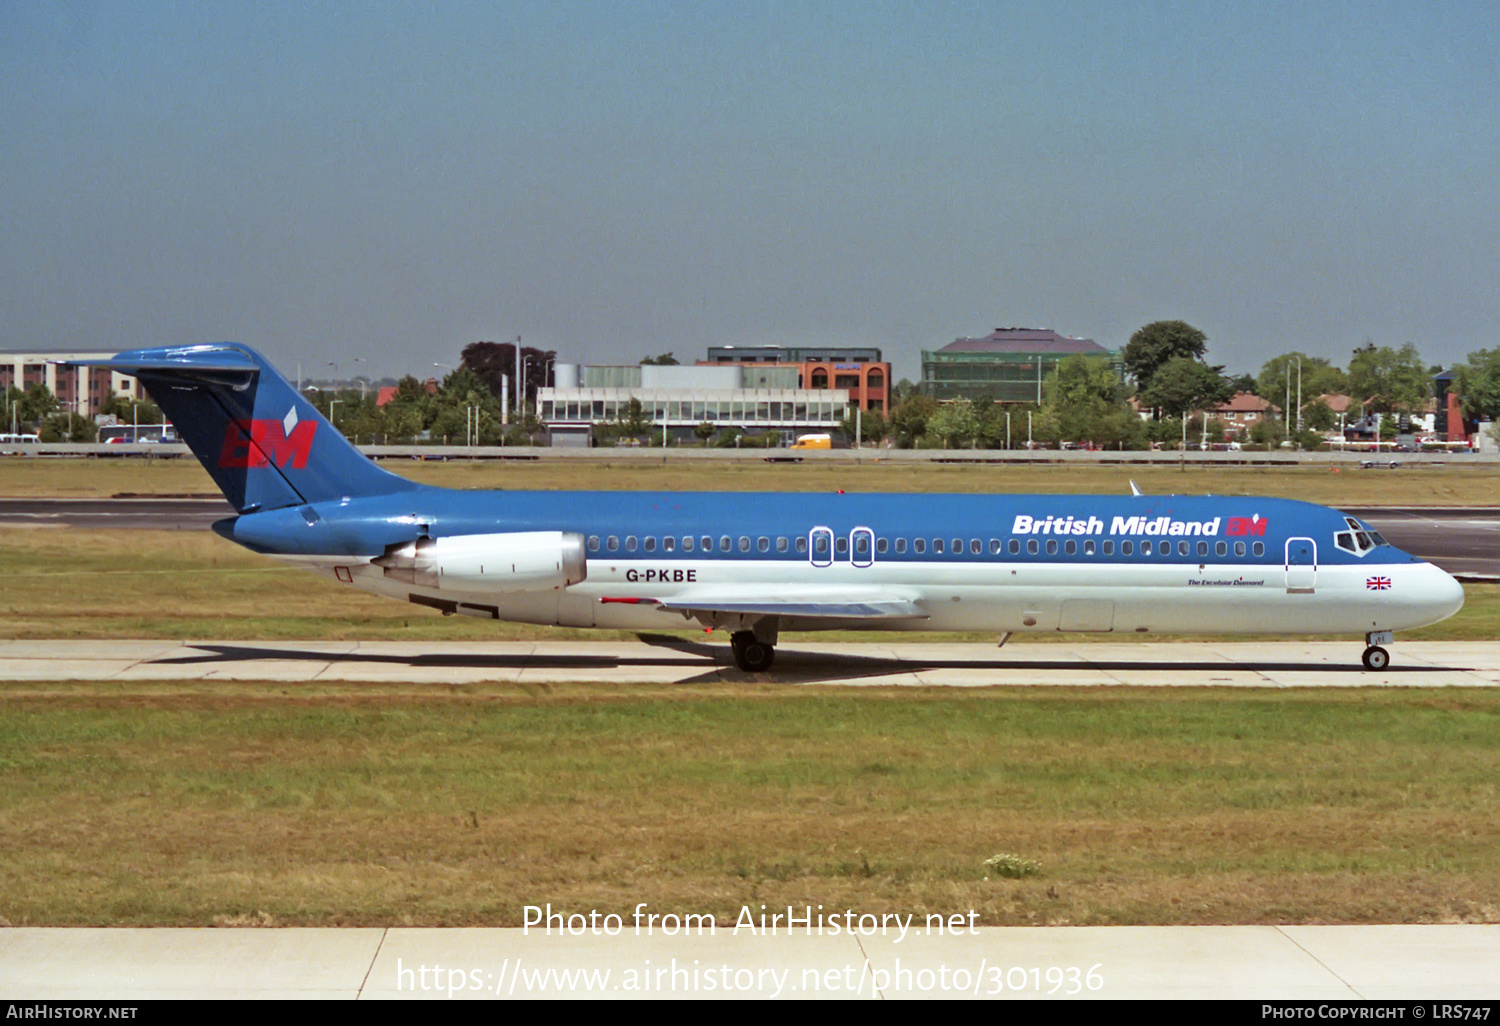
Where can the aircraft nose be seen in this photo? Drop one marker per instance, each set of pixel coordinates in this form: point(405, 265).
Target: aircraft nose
point(1439, 595)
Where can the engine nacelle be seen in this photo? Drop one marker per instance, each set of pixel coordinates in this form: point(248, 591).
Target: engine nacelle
point(484, 563)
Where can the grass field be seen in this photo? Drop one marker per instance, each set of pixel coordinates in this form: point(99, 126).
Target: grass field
point(1439, 485)
point(270, 804)
point(195, 585)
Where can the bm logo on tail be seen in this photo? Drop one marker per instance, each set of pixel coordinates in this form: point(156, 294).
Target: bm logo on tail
point(259, 443)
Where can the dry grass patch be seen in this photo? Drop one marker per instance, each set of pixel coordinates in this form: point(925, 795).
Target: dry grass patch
point(154, 805)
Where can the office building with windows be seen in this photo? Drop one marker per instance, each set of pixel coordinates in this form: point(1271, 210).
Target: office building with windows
point(1008, 365)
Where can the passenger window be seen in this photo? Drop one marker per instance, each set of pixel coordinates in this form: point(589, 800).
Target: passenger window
point(668, 543)
point(976, 546)
point(723, 543)
point(1127, 548)
point(1031, 546)
point(649, 544)
point(613, 543)
point(801, 544)
point(1088, 547)
point(881, 545)
point(842, 545)
point(1109, 548)
point(1203, 548)
point(687, 543)
point(1239, 548)
point(781, 545)
point(593, 543)
point(630, 543)
point(1145, 548)
point(1014, 546)
point(1221, 548)
point(707, 543)
point(744, 544)
point(820, 545)
point(1051, 546)
point(1071, 547)
point(919, 545)
point(958, 547)
point(937, 546)
point(994, 546)
point(1260, 548)
point(900, 545)
point(763, 545)
point(862, 545)
point(1182, 548)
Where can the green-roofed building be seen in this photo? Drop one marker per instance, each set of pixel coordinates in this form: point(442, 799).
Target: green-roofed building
point(1008, 365)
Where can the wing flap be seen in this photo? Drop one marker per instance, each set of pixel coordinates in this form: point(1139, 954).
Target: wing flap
point(832, 604)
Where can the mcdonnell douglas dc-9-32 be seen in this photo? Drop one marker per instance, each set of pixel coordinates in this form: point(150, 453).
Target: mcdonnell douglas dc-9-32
point(759, 564)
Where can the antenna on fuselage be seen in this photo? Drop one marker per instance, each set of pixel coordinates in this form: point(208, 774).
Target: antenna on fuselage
point(1135, 490)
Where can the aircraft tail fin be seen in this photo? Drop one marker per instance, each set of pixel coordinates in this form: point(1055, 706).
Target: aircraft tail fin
point(265, 446)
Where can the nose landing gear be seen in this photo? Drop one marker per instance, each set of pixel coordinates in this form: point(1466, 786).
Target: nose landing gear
point(1375, 657)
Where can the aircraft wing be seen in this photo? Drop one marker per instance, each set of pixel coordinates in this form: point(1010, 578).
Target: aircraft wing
point(781, 600)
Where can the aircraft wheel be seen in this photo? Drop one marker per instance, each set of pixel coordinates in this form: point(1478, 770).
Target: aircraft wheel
point(1376, 658)
point(751, 655)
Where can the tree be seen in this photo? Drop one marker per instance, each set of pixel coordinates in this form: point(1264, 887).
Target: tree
point(955, 423)
point(1319, 416)
point(664, 360)
point(705, 431)
point(1085, 402)
point(1153, 345)
point(634, 421)
point(35, 404)
point(908, 421)
point(1389, 380)
point(1319, 377)
point(871, 423)
point(1183, 384)
point(492, 361)
point(1477, 383)
point(67, 427)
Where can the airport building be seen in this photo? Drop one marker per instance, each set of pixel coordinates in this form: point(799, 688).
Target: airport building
point(679, 398)
point(83, 390)
point(859, 371)
point(1007, 366)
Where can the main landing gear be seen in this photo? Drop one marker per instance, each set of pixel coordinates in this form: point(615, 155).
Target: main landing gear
point(1375, 657)
point(751, 654)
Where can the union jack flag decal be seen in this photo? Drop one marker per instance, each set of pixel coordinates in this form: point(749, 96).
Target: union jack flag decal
point(1377, 583)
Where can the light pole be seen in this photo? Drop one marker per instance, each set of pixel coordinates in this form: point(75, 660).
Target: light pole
point(331, 404)
point(1299, 392)
point(363, 382)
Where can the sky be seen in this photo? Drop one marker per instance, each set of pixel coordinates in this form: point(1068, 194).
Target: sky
point(376, 185)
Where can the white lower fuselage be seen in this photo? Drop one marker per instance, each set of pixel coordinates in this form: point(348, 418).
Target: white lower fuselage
point(1138, 597)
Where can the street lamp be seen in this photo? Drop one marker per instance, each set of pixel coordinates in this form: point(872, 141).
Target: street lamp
point(1299, 392)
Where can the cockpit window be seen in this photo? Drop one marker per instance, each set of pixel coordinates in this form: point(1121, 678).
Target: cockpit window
point(1358, 541)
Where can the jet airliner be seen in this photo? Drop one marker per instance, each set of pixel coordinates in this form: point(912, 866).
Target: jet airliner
point(759, 564)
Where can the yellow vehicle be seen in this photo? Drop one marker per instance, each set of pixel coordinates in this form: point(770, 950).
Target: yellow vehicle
point(813, 442)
